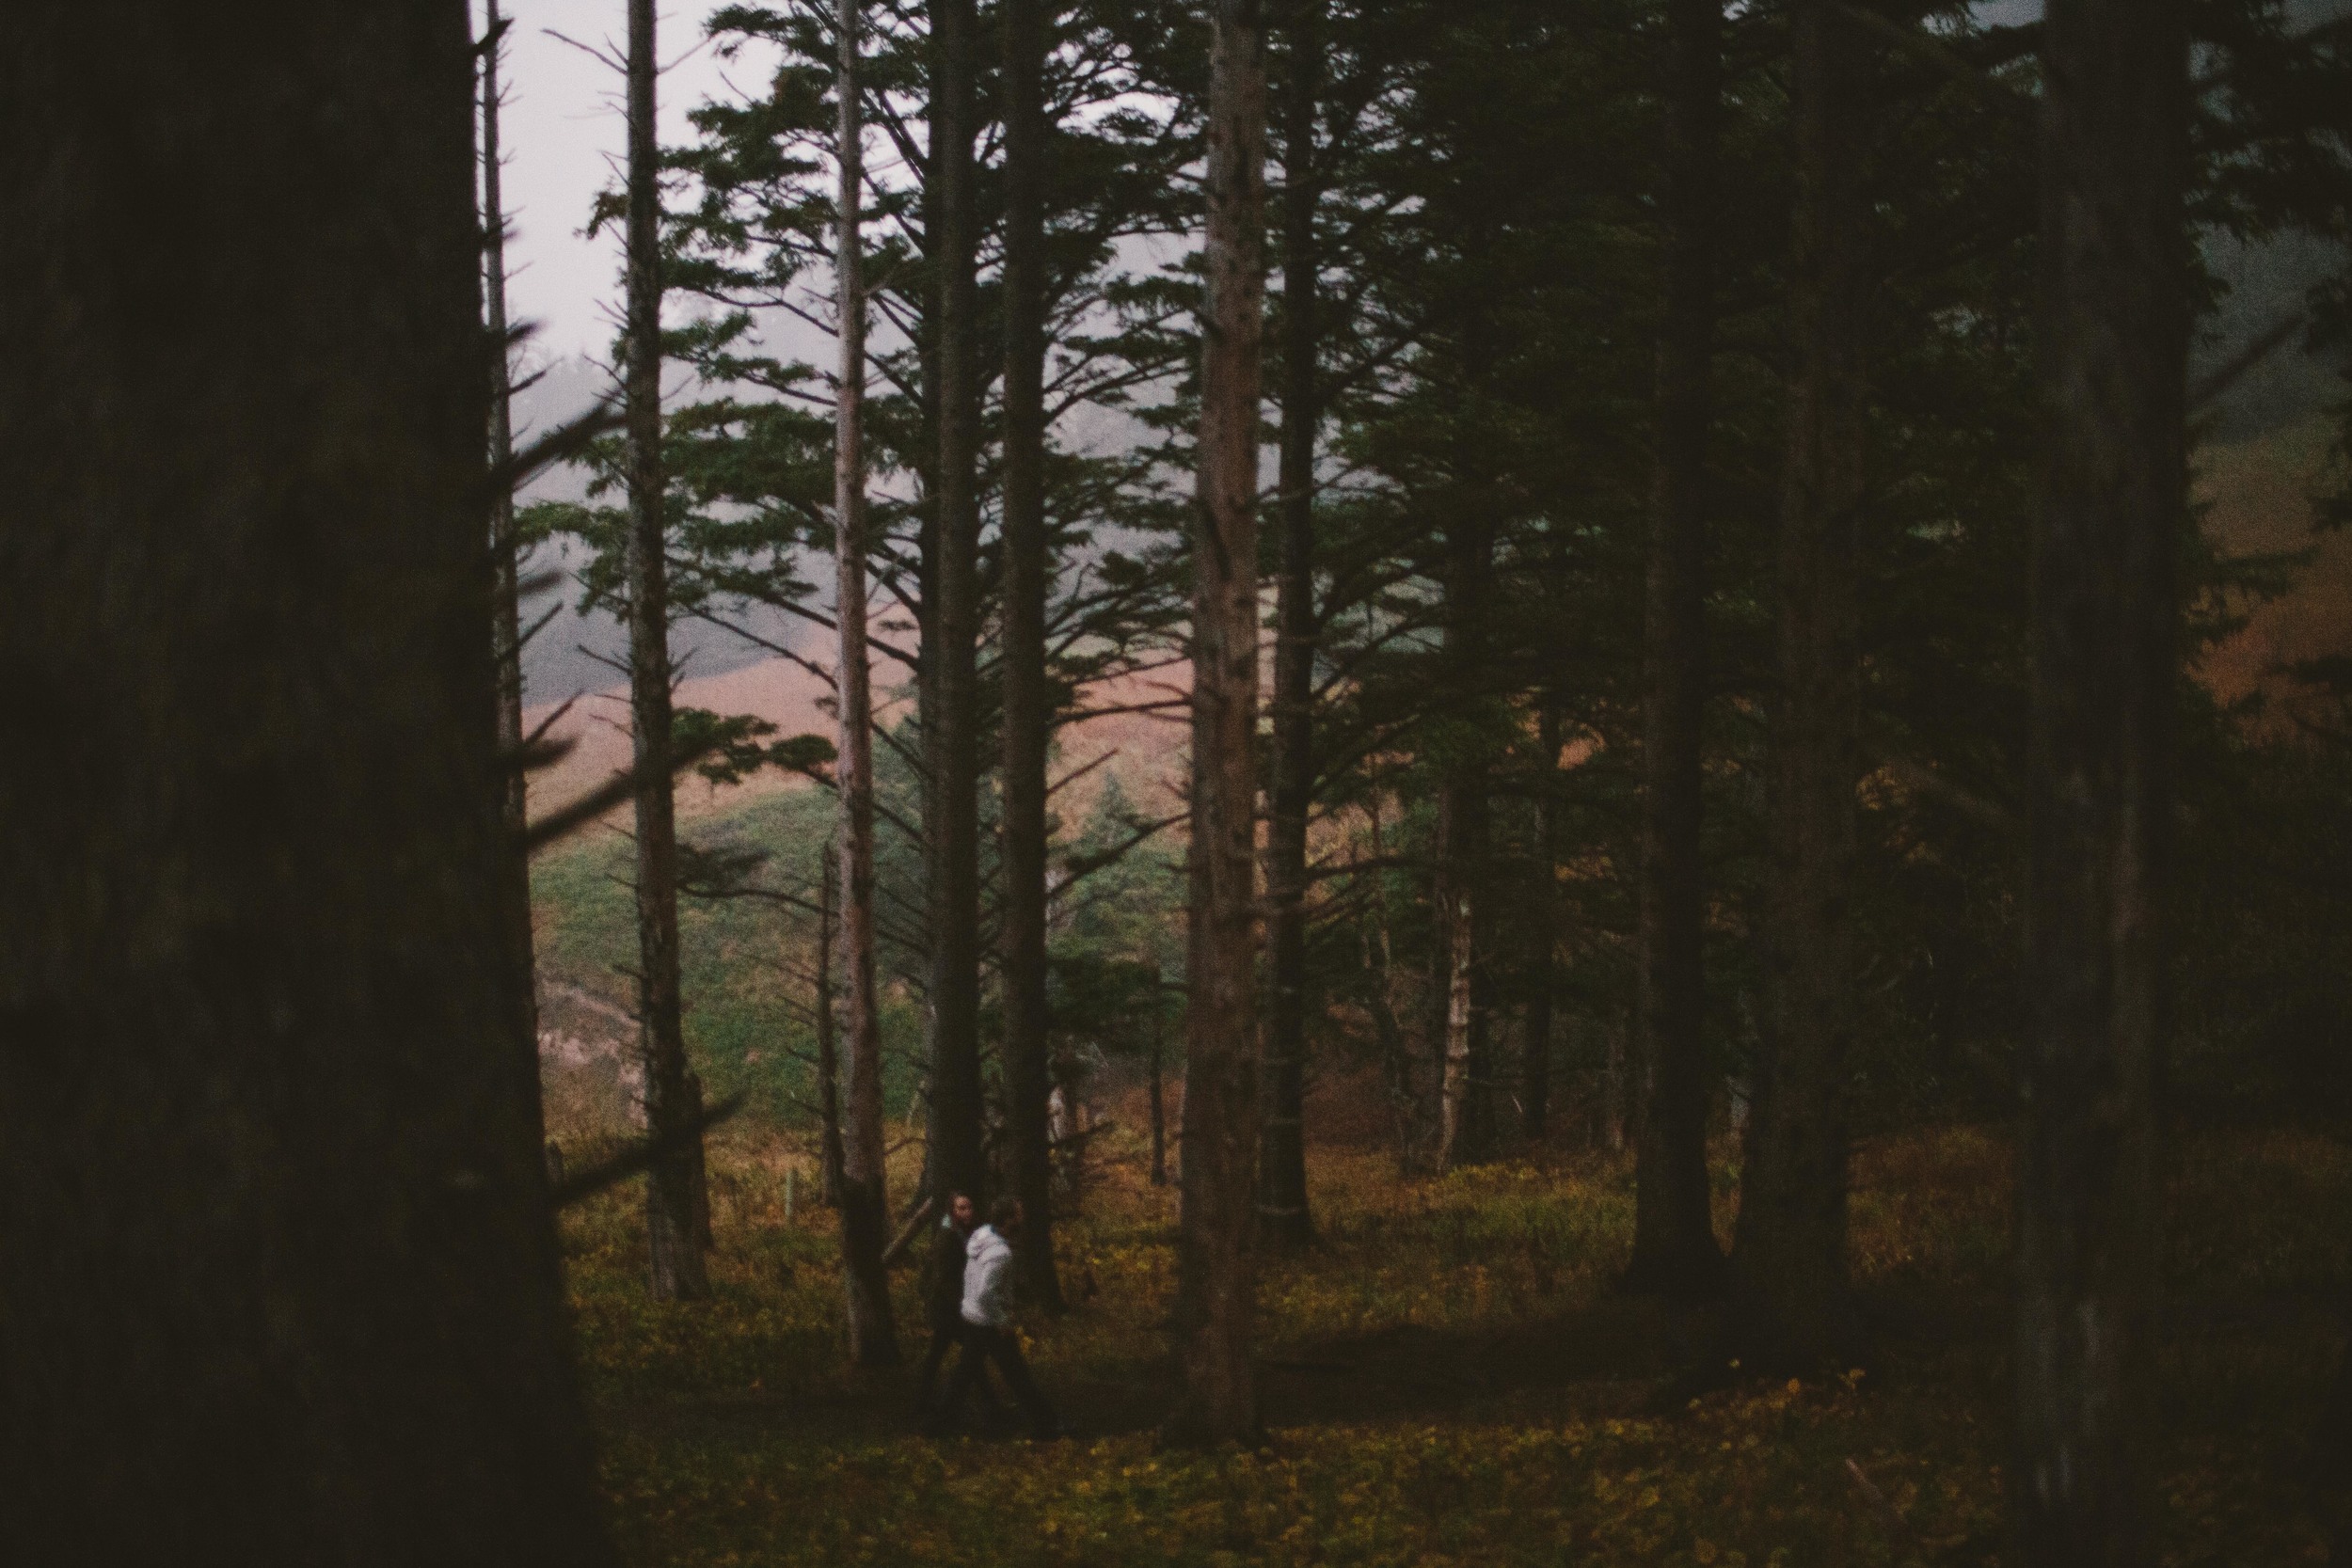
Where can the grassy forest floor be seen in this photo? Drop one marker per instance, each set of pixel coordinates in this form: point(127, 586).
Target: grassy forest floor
point(1450, 1379)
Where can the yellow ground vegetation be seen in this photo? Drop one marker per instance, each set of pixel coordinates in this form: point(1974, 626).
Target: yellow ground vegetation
point(1450, 1379)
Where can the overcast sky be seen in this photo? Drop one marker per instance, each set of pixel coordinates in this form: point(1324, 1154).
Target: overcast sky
point(563, 135)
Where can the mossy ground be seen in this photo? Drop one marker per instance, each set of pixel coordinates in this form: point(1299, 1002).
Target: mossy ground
point(1450, 1379)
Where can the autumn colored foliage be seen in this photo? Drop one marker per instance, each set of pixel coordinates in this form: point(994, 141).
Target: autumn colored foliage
point(1451, 1379)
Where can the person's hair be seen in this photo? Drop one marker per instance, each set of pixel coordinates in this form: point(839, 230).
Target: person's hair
point(1005, 1212)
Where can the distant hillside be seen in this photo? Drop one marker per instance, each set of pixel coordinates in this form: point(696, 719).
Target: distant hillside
point(2259, 498)
point(1144, 749)
point(749, 963)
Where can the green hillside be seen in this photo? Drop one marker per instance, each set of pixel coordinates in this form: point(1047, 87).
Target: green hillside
point(749, 962)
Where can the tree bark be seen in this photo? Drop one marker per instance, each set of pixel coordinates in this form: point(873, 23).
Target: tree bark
point(1543, 936)
point(1216, 1285)
point(1791, 1310)
point(1028, 699)
point(506, 631)
point(1466, 1118)
point(958, 1154)
point(277, 1264)
point(676, 1263)
point(1157, 1090)
point(2115, 259)
point(865, 1198)
point(1283, 1218)
point(830, 1154)
point(1673, 1233)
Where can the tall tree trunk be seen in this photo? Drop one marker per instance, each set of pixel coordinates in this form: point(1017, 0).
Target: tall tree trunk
point(1283, 1218)
point(1158, 1089)
point(1216, 1283)
point(831, 1154)
point(676, 1263)
point(1673, 1235)
point(1542, 935)
point(865, 1199)
point(1466, 1121)
point(2115, 261)
point(277, 1263)
point(1790, 1306)
point(952, 738)
point(506, 629)
point(1027, 702)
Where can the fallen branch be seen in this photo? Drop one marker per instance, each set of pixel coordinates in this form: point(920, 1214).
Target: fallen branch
point(1888, 1514)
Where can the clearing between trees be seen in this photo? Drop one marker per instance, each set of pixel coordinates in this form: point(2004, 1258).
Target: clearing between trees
point(1452, 1377)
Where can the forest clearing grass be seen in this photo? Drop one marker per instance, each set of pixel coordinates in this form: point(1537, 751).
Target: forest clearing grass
point(1450, 1379)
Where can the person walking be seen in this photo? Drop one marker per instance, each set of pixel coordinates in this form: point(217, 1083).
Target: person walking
point(987, 1327)
point(943, 1303)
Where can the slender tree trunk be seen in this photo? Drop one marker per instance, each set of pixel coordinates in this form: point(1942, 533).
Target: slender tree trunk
point(1283, 1218)
point(276, 1265)
point(2115, 258)
point(1613, 1088)
point(1790, 1309)
point(507, 630)
point(864, 1198)
point(1466, 1125)
point(676, 1272)
point(832, 1154)
point(1543, 936)
point(1158, 1091)
point(959, 1158)
point(1217, 1284)
point(700, 1175)
point(1028, 702)
point(1674, 1236)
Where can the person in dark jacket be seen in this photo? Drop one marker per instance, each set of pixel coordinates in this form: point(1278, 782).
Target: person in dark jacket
point(943, 1303)
point(987, 1327)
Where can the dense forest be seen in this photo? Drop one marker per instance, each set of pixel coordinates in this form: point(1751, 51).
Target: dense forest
point(1591, 757)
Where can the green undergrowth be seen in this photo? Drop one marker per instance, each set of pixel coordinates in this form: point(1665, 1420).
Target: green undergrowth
point(1450, 1379)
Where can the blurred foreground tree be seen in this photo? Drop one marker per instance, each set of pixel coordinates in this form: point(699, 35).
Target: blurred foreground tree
point(276, 1256)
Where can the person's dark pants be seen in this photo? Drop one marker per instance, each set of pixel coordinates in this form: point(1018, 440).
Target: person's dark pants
point(982, 1345)
point(947, 1334)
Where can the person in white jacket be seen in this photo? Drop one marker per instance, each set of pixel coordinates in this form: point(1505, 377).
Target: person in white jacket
point(987, 1327)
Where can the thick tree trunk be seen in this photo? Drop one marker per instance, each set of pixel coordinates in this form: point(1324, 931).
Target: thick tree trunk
point(676, 1263)
point(1028, 702)
point(1791, 1306)
point(1543, 938)
point(1216, 1283)
point(506, 629)
point(2115, 264)
point(864, 1198)
point(1673, 1235)
point(1284, 1218)
point(958, 1154)
point(277, 1263)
